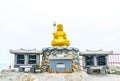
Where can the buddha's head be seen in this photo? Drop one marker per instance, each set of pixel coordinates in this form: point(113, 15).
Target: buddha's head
point(59, 27)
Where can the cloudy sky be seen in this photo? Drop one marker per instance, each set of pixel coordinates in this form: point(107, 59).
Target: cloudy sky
point(89, 24)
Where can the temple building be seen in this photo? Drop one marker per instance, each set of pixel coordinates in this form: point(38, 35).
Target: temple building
point(26, 59)
point(95, 61)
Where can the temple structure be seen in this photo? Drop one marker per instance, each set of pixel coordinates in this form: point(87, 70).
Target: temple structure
point(95, 61)
point(26, 58)
point(60, 57)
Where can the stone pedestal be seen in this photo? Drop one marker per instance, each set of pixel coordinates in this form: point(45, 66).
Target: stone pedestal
point(60, 51)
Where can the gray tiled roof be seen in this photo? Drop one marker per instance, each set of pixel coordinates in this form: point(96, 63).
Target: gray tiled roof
point(98, 52)
point(25, 51)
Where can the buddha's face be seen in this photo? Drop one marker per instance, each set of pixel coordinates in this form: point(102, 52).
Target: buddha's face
point(59, 27)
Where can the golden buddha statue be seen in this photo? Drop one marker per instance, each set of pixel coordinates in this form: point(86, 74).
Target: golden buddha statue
point(60, 38)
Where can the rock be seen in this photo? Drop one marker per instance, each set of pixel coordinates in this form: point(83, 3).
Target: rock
point(118, 80)
point(8, 70)
point(113, 70)
point(46, 61)
point(75, 77)
point(27, 77)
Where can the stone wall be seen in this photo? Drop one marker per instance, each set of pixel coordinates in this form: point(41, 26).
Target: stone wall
point(54, 51)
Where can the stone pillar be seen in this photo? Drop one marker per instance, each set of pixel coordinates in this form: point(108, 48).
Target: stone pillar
point(32, 70)
point(102, 71)
point(83, 61)
point(89, 71)
point(21, 69)
point(95, 61)
point(15, 59)
point(38, 59)
point(26, 59)
point(106, 58)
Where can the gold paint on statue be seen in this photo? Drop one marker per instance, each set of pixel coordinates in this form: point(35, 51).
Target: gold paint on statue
point(60, 37)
